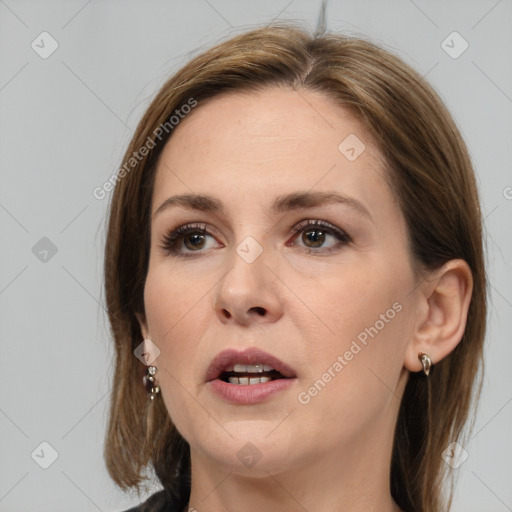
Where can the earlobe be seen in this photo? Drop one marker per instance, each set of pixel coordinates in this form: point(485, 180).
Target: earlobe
point(444, 303)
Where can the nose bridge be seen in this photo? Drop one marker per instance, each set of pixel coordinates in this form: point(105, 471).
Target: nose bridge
point(246, 290)
point(248, 270)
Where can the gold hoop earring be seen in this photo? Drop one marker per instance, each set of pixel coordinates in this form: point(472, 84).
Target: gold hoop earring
point(150, 383)
point(426, 362)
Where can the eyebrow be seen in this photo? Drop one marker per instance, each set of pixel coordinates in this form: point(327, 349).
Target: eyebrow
point(282, 204)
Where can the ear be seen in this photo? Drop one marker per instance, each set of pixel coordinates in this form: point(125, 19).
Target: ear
point(442, 307)
point(141, 318)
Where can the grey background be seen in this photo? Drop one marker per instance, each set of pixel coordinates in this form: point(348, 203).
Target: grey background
point(64, 124)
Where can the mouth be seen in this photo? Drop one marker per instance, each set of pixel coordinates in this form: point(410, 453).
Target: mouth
point(249, 367)
point(242, 374)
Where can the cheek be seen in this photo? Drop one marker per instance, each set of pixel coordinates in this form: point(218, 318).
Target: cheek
point(362, 320)
point(169, 298)
point(171, 306)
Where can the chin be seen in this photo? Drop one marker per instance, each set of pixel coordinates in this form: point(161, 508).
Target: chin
point(252, 452)
point(252, 460)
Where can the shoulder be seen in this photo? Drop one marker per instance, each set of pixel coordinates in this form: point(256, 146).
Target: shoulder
point(158, 502)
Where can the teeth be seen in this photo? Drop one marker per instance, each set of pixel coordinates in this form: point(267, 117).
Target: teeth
point(246, 381)
point(258, 380)
point(249, 368)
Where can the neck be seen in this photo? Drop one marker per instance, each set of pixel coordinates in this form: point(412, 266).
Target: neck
point(350, 479)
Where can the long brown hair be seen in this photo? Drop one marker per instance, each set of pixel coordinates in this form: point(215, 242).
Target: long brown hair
point(433, 181)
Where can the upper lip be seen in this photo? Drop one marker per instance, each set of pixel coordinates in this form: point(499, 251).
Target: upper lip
point(226, 358)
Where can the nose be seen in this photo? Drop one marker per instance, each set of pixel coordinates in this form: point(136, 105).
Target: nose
point(247, 294)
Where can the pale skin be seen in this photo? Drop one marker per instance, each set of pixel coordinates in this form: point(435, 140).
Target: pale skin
point(296, 301)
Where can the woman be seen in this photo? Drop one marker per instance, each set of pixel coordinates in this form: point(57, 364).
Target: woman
point(295, 284)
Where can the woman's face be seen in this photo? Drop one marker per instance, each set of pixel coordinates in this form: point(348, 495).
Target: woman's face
point(334, 302)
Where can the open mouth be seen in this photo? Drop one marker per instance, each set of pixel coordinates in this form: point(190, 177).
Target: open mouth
point(246, 375)
point(249, 367)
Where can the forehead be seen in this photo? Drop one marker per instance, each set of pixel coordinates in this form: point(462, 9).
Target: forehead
point(260, 143)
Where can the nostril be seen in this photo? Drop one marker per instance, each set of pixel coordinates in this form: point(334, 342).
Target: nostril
point(259, 310)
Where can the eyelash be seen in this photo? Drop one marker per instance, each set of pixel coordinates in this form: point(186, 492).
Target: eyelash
point(169, 241)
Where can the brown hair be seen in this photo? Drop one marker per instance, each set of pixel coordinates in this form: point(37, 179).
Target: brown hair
point(434, 183)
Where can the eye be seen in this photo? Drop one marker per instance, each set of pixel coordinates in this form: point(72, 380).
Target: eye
point(186, 239)
point(193, 238)
point(314, 234)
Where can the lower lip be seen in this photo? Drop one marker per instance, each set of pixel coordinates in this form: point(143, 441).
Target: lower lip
point(245, 394)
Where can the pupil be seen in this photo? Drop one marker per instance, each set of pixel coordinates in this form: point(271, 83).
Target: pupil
point(198, 240)
point(317, 240)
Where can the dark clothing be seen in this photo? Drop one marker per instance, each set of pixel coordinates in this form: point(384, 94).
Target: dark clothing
point(161, 502)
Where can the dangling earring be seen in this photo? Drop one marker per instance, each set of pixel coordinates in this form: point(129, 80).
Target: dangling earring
point(150, 382)
point(147, 352)
point(426, 362)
